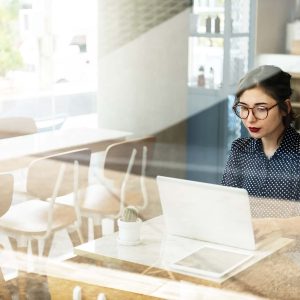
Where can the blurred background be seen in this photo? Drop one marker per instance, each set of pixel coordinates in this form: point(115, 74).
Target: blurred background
point(167, 68)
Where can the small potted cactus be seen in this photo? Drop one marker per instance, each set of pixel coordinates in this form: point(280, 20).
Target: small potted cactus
point(129, 227)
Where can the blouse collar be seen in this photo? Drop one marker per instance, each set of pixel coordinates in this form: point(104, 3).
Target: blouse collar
point(286, 144)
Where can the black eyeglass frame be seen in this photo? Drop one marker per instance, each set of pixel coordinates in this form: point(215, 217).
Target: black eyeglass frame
point(251, 108)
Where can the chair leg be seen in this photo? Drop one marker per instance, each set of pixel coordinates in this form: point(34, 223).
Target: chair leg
point(85, 229)
point(76, 237)
point(4, 291)
point(79, 234)
point(47, 245)
point(22, 278)
point(116, 225)
point(35, 247)
point(13, 243)
point(97, 231)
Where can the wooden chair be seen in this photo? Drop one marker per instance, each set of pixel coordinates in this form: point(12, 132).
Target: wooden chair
point(16, 126)
point(48, 178)
point(122, 182)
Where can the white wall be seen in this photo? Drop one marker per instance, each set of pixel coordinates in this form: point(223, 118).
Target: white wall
point(143, 85)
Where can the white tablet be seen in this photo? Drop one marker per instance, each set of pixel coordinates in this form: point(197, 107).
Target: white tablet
point(212, 262)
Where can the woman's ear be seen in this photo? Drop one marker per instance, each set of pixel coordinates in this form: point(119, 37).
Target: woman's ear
point(288, 105)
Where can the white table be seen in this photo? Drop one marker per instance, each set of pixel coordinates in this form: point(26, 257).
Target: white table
point(17, 152)
point(158, 250)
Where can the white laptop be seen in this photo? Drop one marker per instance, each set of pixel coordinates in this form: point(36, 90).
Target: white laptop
point(210, 213)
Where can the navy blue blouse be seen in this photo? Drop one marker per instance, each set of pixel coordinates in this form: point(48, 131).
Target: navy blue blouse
point(276, 177)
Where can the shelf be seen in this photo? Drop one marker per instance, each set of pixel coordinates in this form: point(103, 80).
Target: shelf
point(226, 52)
point(295, 75)
point(207, 35)
point(203, 91)
point(296, 105)
point(288, 62)
point(239, 35)
point(208, 10)
point(219, 35)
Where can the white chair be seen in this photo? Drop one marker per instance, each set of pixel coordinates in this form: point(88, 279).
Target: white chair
point(122, 183)
point(16, 126)
point(13, 127)
point(6, 192)
point(48, 178)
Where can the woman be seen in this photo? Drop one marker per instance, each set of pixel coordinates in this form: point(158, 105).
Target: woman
point(267, 164)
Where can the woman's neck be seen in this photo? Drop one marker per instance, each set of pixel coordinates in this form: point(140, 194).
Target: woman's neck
point(271, 143)
point(270, 148)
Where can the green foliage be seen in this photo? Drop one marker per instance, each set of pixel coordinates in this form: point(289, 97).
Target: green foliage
point(10, 57)
point(130, 214)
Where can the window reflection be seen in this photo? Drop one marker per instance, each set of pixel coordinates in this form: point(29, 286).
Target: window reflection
point(155, 77)
point(48, 65)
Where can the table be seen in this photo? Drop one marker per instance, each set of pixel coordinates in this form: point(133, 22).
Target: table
point(63, 277)
point(17, 152)
point(265, 275)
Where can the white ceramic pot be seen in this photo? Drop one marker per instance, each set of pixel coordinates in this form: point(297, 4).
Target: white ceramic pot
point(129, 232)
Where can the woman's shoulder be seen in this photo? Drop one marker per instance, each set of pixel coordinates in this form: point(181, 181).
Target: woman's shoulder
point(242, 141)
point(297, 142)
point(292, 140)
point(243, 144)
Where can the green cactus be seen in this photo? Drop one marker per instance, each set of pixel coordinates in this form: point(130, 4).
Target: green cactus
point(130, 214)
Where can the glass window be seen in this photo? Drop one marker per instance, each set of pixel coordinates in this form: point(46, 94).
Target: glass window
point(48, 68)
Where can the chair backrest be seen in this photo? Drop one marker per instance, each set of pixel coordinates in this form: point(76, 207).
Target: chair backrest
point(43, 173)
point(118, 156)
point(16, 126)
point(6, 192)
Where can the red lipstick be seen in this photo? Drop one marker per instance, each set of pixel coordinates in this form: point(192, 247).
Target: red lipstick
point(254, 129)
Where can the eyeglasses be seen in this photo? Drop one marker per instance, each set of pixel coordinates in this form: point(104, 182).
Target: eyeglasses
point(259, 112)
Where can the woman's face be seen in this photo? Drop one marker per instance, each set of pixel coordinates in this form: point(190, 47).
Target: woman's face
point(269, 128)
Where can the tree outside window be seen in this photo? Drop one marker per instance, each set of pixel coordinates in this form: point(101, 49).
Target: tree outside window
point(10, 57)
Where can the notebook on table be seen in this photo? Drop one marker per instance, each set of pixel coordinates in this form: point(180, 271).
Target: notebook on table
point(211, 213)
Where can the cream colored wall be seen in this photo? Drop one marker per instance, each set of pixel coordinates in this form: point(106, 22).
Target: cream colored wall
point(271, 19)
point(143, 84)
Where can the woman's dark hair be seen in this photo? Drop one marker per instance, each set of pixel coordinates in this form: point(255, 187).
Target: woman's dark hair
point(274, 82)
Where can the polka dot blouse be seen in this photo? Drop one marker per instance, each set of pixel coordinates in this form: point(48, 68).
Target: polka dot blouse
point(276, 177)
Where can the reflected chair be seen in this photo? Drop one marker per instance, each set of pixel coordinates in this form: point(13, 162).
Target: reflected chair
point(121, 184)
point(6, 192)
point(48, 178)
point(16, 126)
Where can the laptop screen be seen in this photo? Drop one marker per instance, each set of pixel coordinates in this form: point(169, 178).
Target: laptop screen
point(206, 212)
